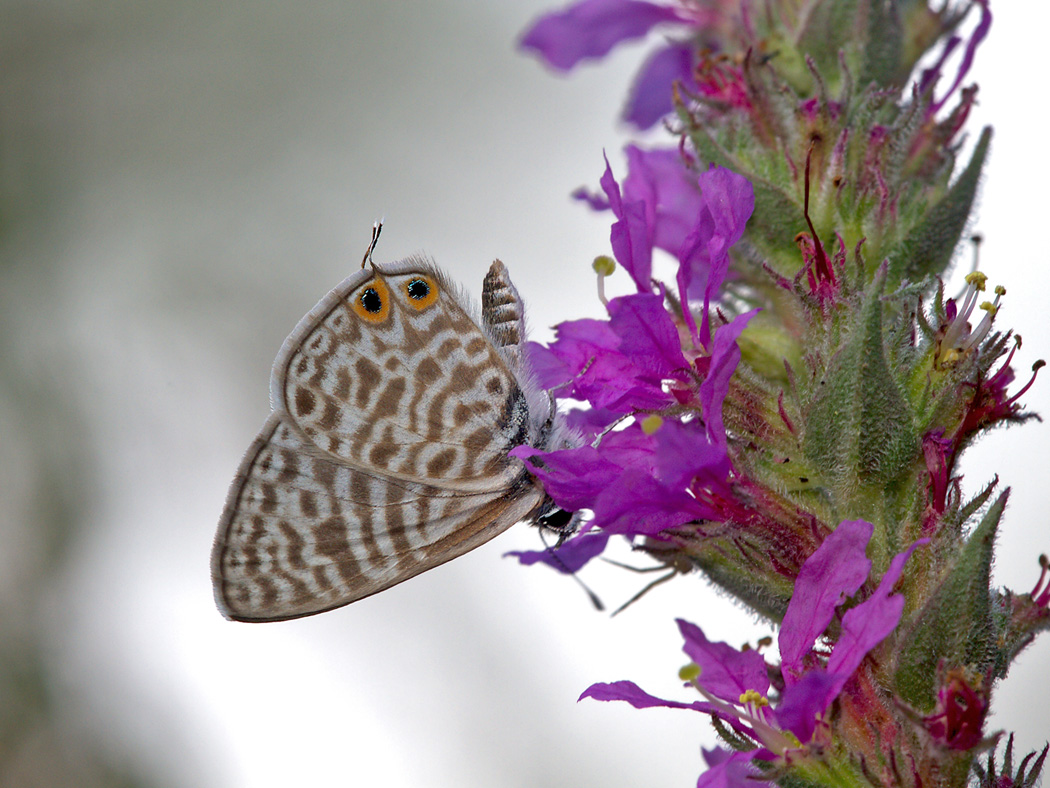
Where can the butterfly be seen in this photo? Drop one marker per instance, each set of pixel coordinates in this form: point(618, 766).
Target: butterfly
point(395, 402)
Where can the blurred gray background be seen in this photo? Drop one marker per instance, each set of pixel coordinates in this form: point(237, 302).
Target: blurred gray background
point(179, 183)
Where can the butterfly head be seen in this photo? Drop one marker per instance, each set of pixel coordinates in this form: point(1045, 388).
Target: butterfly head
point(552, 517)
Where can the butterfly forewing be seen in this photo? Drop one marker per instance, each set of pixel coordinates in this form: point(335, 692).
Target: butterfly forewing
point(386, 454)
point(412, 389)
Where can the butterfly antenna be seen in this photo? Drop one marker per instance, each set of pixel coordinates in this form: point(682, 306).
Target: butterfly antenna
point(591, 595)
point(377, 228)
point(644, 591)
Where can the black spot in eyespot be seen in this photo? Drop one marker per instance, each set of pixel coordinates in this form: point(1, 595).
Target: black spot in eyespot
point(371, 301)
point(804, 479)
point(418, 289)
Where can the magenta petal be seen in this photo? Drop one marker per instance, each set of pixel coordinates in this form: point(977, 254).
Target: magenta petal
point(631, 693)
point(570, 557)
point(591, 422)
point(725, 672)
point(596, 201)
point(651, 94)
point(585, 363)
point(832, 573)
point(729, 769)
point(637, 504)
point(728, 201)
point(572, 477)
point(630, 234)
point(684, 453)
point(551, 369)
point(865, 626)
point(802, 702)
point(647, 335)
point(669, 190)
point(591, 28)
point(725, 355)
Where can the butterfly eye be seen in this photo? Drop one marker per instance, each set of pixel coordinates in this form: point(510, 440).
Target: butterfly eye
point(421, 292)
point(372, 302)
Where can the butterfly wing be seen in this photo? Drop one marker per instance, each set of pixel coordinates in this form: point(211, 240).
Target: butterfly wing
point(303, 533)
point(386, 453)
point(392, 374)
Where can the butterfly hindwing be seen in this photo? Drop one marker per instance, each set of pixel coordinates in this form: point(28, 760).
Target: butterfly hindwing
point(303, 533)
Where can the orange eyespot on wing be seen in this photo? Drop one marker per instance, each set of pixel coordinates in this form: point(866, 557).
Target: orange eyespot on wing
point(371, 302)
point(420, 292)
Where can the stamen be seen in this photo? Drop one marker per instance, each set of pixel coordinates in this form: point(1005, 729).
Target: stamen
point(604, 266)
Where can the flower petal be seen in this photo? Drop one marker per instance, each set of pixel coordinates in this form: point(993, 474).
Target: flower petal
point(729, 769)
point(570, 557)
point(728, 200)
point(725, 672)
point(683, 453)
point(591, 28)
point(630, 235)
point(635, 695)
point(651, 95)
point(638, 504)
point(725, 355)
point(670, 191)
point(865, 626)
point(832, 573)
point(648, 335)
point(804, 700)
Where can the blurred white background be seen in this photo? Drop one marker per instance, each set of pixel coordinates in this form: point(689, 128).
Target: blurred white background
point(179, 183)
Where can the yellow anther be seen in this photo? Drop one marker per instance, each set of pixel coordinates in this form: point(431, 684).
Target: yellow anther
point(951, 357)
point(989, 307)
point(604, 265)
point(1000, 290)
point(651, 423)
point(690, 672)
point(977, 279)
point(755, 698)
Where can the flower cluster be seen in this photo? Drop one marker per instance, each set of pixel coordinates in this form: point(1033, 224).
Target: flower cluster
point(786, 416)
point(736, 684)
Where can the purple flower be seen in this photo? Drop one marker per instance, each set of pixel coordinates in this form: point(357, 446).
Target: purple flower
point(727, 202)
point(735, 683)
point(830, 575)
point(570, 557)
point(618, 365)
point(636, 481)
point(720, 366)
point(696, 218)
point(660, 179)
point(631, 234)
point(727, 769)
point(651, 96)
point(617, 481)
point(591, 28)
point(727, 673)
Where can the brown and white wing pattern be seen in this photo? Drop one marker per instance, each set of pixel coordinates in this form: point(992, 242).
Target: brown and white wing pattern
point(303, 533)
point(392, 374)
point(386, 453)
